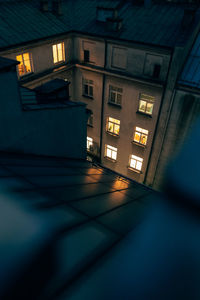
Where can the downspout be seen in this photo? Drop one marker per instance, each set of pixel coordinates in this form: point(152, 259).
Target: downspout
point(102, 101)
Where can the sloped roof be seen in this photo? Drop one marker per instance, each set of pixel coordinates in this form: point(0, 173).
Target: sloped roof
point(22, 22)
point(190, 75)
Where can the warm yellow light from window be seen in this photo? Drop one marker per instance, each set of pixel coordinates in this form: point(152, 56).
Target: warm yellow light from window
point(25, 64)
point(113, 125)
point(111, 152)
point(89, 143)
point(58, 52)
point(136, 162)
point(141, 135)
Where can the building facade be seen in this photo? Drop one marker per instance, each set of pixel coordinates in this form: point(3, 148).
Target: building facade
point(122, 59)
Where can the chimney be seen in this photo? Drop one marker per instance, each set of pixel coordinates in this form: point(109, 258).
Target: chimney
point(57, 7)
point(188, 17)
point(44, 5)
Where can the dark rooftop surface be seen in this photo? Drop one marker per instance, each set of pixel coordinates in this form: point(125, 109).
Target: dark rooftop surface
point(191, 71)
point(7, 63)
point(160, 24)
point(95, 208)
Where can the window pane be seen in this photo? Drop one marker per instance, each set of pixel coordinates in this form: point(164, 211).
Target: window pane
point(132, 163)
point(110, 127)
point(116, 129)
point(108, 152)
point(85, 89)
point(21, 69)
point(60, 52)
point(142, 106)
point(137, 137)
point(149, 108)
point(112, 97)
point(55, 56)
point(91, 90)
point(143, 139)
point(139, 165)
point(114, 155)
point(27, 63)
point(119, 98)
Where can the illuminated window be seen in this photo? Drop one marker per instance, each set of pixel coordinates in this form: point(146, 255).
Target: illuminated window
point(25, 64)
point(115, 95)
point(146, 103)
point(113, 126)
point(88, 88)
point(140, 135)
point(111, 152)
point(58, 53)
point(135, 162)
point(89, 143)
point(90, 119)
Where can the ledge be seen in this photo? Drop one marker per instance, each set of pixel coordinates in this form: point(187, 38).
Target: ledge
point(114, 104)
point(134, 170)
point(112, 160)
point(88, 97)
point(144, 114)
point(113, 134)
point(138, 144)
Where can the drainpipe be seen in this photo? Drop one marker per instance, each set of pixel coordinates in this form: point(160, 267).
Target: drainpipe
point(102, 102)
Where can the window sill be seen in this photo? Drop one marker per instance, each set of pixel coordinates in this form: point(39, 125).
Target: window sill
point(114, 104)
point(25, 75)
point(111, 159)
point(138, 144)
point(59, 62)
point(113, 134)
point(144, 114)
point(87, 96)
point(134, 170)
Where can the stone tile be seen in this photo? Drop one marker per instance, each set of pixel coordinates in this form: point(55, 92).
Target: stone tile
point(50, 181)
point(66, 194)
point(5, 173)
point(124, 218)
point(79, 246)
point(100, 204)
point(103, 177)
point(14, 183)
point(135, 193)
point(37, 170)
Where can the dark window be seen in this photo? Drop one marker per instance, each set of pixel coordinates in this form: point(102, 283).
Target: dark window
point(156, 71)
point(86, 55)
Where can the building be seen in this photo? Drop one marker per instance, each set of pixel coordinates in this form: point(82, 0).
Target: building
point(185, 109)
point(122, 59)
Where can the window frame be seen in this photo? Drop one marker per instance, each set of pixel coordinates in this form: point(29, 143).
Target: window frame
point(113, 150)
point(90, 84)
point(90, 143)
point(149, 100)
point(57, 53)
point(23, 61)
point(116, 91)
point(111, 120)
point(137, 160)
point(90, 120)
point(141, 132)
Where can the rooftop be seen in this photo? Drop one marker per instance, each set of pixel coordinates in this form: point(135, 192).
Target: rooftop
point(94, 207)
point(160, 24)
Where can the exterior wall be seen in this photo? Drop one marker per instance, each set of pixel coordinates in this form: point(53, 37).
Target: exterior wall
point(184, 113)
point(136, 62)
point(46, 130)
point(96, 49)
point(129, 118)
point(42, 55)
point(94, 104)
